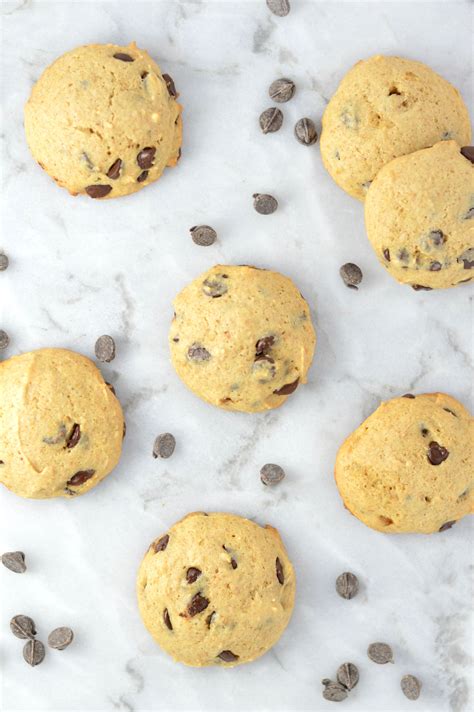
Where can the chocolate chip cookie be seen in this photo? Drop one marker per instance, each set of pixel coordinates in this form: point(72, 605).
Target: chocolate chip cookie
point(103, 120)
point(242, 337)
point(216, 589)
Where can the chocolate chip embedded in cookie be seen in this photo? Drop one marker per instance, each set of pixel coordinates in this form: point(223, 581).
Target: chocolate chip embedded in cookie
point(221, 592)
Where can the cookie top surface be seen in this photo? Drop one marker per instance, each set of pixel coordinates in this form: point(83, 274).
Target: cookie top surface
point(61, 426)
point(419, 215)
point(216, 589)
point(242, 337)
point(408, 467)
point(103, 120)
point(386, 107)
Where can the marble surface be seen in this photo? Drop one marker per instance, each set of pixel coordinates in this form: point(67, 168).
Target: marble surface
point(81, 268)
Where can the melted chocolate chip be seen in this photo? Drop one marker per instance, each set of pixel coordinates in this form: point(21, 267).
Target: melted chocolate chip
point(170, 86)
point(228, 656)
point(146, 157)
point(167, 620)
point(437, 453)
point(98, 191)
point(123, 57)
point(435, 266)
point(80, 477)
point(467, 258)
point(448, 410)
point(386, 254)
point(198, 604)
point(192, 574)
point(161, 544)
point(74, 436)
point(408, 395)
point(198, 353)
point(418, 287)
point(446, 526)
point(209, 619)
point(279, 571)
point(143, 176)
point(114, 171)
point(264, 345)
point(215, 286)
point(287, 388)
point(468, 152)
point(436, 237)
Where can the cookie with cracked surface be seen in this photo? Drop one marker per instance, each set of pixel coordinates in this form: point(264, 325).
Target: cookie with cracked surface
point(103, 120)
point(61, 426)
point(408, 467)
point(419, 216)
point(386, 107)
point(216, 589)
point(242, 337)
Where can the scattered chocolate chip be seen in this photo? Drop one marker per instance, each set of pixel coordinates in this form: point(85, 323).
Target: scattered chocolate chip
point(228, 656)
point(23, 627)
point(264, 345)
point(210, 618)
point(192, 574)
point(408, 395)
point(198, 604)
point(467, 258)
point(98, 191)
point(4, 339)
point(279, 571)
point(437, 453)
point(111, 388)
point(105, 349)
point(74, 436)
point(347, 585)
point(468, 216)
point(386, 254)
point(380, 653)
point(214, 286)
point(14, 561)
point(305, 132)
point(436, 237)
point(411, 687)
point(34, 652)
point(419, 287)
point(124, 432)
point(351, 275)
point(80, 477)
point(282, 90)
point(280, 8)
point(271, 120)
point(435, 266)
point(424, 432)
point(146, 157)
point(348, 675)
point(448, 410)
point(334, 691)
point(60, 638)
point(167, 620)
point(170, 86)
point(287, 388)
point(161, 544)
point(272, 474)
point(203, 235)
point(198, 353)
point(143, 176)
point(164, 446)
point(3, 262)
point(114, 171)
point(468, 152)
point(446, 526)
point(264, 204)
point(123, 57)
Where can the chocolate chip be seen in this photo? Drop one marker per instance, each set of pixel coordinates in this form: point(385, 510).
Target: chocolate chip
point(380, 653)
point(4, 339)
point(287, 388)
point(280, 8)
point(271, 120)
point(305, 132)
point(264, 368)
point(60, 638)
point(436, 237)
point(214, 286)
point(446, 526)
point(468, 152)
point(34, 652)
point(80, 477)
point(424, 432)
point(143, 176)
point(164, 446)
point(3, 262)
point(334, 691)
point(272, 474)
point(111, 388)
point(419, 287)
point(210, 618)
point(228, 656)
point(170, 86)
point(264, 204)
point(192, 574)
point(468, 216)
point(282, 90)
point(408, 395)
point(436, 453)
point(23, 627)
point(74, 436)
point(435, 266)
point(351, 275)
point(386, 254)
point(14, 561)
point(167, 620)
point(347, 585)
point(198, 353)
point(411, 687)
point(467, 258)
point(146, 157)
point(161, 544)
point(123, 57)
point(105, 349)
point(98, 191)
point(264, 345)
point(348, 675)
point(203, 235)
point(114, 171)
point(198, 604)
point(448, 410)
point(279, 571)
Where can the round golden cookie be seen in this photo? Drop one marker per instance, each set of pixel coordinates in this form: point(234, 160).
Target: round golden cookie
point(103, 120)
point(61, 426)
point(242, 337)
point(386, 107)
point(419, 215)
point(217, 589)
point(408, 467)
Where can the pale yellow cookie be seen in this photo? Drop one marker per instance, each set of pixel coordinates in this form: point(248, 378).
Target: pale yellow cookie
point(386, 107)
point(242, 337)
point(419, 215)
point(409, 466)
point(103, 120)
point(216, 589)
point(61, 426)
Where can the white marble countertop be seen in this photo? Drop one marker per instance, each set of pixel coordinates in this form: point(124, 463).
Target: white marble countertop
point(81, 268)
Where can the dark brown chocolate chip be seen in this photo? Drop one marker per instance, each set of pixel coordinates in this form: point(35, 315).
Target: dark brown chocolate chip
point(435, 266)
point(448, 410)
point(264, 345)
point(264, 204)
point(74, 436)
point(437, 237)
point(60, 638)
point(167, 620)
point(198, 604)
point(380, 653)
point(271, 120)
point(228, 656)
point(233, 562)
point(146, 157)
point(271, 474)
point(143, 176)
point(305, 132)
point(411, 687)
point(351, 275)
point(105, 349)
point(215, 287)
point(279, 571)
point(170, 86)
point(468, 152)
point(419, 287)
point(23, 627)
point(408, 395)
point(210, 618)
point(198, 353)
point(437, 453)
point(161, 544)
point(114, 171)
point(334, 691)
point(34, 652)
point(80, 477)
point(386, 254)
point(424, 432)
point(164, 446)
point(348, 675)
point(144, 75)
point(287, 388)
point(14, 561)
point(4, 262)
point(123, 57)
point(467, 258)
point(124, 432)
point(446, 526)
point(203, 235)
point(98, 191)
point(347, 585)
point(4, 339)
point(282, 90)
point(192, 574)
